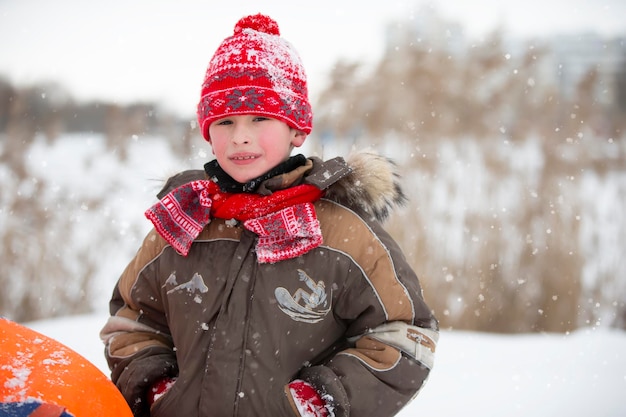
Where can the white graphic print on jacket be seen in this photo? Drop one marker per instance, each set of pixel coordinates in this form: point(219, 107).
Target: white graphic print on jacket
point(195, 284)
point(305, 306)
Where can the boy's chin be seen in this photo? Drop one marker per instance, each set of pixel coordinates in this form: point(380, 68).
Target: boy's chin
point(244, 179)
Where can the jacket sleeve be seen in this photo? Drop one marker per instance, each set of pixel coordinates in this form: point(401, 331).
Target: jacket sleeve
point(390, 339)
point(138, 345)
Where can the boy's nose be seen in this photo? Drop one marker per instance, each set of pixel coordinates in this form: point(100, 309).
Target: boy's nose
point(241, 134)
point(241, 140)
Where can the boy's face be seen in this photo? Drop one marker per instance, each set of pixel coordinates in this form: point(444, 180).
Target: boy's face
point(248, 146)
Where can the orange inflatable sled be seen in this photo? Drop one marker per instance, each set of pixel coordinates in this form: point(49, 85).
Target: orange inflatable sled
point(39, 372)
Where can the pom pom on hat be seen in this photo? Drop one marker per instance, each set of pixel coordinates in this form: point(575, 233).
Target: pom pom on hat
point(258, 22)
point(255, 71)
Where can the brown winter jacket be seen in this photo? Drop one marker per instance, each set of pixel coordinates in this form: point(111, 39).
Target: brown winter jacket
point(348, 316)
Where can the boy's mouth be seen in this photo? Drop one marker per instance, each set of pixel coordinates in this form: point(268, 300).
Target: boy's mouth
point(244, 158)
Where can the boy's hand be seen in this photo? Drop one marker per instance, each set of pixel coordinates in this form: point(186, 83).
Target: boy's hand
point(307, 400)
point(159, 389)
point(135, 376)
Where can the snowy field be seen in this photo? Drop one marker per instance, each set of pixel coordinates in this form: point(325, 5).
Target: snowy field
point(574, 375)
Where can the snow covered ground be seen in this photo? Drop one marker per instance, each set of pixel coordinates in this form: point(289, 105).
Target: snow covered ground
point(475, 374)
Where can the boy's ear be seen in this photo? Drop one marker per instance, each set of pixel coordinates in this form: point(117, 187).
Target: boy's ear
point(298, 137)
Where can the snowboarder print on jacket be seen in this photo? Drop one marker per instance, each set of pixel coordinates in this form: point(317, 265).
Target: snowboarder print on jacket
point(310, 312)
point(268, 286)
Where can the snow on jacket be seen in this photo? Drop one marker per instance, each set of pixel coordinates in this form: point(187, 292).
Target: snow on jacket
point(348, 317)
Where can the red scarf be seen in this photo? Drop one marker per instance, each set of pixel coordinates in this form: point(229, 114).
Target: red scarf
point(285, 220)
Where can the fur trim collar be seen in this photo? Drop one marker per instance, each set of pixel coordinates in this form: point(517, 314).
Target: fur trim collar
point(372, 186)
point(366, 182)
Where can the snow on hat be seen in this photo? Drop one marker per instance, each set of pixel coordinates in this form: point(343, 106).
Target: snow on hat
point(255, 71)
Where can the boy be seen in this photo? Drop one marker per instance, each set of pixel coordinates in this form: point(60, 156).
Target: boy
point(268, 286)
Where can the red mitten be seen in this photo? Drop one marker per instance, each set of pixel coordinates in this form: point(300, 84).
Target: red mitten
point(307, 400)
point(159, 389)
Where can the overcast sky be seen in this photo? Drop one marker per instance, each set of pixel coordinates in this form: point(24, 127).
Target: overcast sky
point(158, 50)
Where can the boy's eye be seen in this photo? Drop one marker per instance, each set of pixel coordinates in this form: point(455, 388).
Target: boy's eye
point(260, 118)
point(224, 122)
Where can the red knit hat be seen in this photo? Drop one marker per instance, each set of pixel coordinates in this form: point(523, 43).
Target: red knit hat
point(255, 71)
